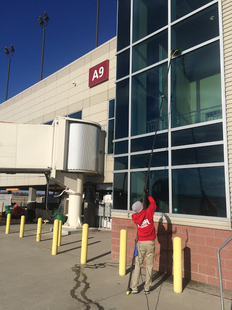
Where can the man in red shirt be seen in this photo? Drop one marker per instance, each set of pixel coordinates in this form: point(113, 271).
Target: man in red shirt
point(146, 235)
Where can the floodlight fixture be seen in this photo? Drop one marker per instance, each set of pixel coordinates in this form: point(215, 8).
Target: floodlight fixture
point(11, 48)
point(40, 21)
point(45, 17)
point(6, 51)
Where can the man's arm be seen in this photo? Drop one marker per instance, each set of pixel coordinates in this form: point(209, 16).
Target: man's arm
point(152, 204)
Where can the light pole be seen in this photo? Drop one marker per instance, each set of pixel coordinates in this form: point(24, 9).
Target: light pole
point(9, 52)
point(43, 21)
point(97, 23)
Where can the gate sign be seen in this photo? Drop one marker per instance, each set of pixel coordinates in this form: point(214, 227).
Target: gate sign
point(99, 73)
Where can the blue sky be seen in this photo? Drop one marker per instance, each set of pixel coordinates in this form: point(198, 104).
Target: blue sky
point(70, 33)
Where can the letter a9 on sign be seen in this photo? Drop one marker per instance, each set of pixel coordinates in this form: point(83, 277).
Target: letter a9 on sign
point(99, 73)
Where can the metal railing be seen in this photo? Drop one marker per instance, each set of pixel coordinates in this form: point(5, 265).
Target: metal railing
point(220, 270)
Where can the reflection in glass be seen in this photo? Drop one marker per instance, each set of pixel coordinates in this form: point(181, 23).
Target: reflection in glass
point(123, 64)
point(199, 134)
point(146, 143)
point(150, 51)
point(202, 26)
point(122, 109)
point(123, 23)
point(180, 8)
point(196, 86)
point(157, 186)
point(121, 163)
point(200, 155)
point(111, 108)
point(199, 191)
point(110, 136)
point(121, 147)
point(120, 191)
point(148, 16)
point(158, 159)
point(147, 89)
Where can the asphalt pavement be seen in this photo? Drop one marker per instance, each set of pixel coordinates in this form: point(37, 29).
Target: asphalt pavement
point(31, 278)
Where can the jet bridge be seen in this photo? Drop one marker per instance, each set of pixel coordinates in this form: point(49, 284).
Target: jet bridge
point(65, 151)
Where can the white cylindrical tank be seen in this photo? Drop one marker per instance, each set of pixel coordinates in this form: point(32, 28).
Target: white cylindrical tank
point(84, 147)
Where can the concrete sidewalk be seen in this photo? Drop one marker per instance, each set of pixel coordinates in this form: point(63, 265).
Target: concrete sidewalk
point(32, 279)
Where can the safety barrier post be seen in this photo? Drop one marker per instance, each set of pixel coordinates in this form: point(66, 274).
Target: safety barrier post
point(39, 228)
point(55, 237)
point(59, 233)
point(84, 244)
point(22, 224)
point(177, 265)
point(122, 254)
point(8, 219)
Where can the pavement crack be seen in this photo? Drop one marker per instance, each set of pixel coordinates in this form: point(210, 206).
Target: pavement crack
point(79, 292)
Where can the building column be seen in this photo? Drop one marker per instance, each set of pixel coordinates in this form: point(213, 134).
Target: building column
point(75, 204)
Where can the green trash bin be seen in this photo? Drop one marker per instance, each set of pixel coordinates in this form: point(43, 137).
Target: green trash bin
point(59, 216)
point(8, 209)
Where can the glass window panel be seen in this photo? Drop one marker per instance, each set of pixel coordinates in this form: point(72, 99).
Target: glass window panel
point(111, 108)
point(197, 135)
point(48, 123)
point(199, 191)
point(180, 8)
point(202, 26)
point(148, 106)
point(121, 163)
point(120, 191)
point(122, 109)
point(146, 143)
point(157, 186)
point(148, 16)
point(196, 86)
point(121, 147)
point(141, 161)
point(209, 154)
point(110, 136)
point(77, 115)
point(123, 64)
point(150, 51)
point(123, 23)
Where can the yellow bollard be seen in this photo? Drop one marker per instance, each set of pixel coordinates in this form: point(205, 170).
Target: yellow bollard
point(59, 233)
point(177, 265)
point(39, 229)
point(8, 219)
point(122, 254)
point(84, 244)
point(55, 237)
point(22, 224)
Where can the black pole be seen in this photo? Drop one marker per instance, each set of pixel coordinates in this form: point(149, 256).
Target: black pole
point(97, 24)
point(8, 74)
point(42, 56)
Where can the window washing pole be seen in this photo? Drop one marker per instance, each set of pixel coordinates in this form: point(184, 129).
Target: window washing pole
point(173, 53)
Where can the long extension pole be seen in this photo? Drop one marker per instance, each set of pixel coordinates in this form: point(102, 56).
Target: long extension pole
point(177, 52)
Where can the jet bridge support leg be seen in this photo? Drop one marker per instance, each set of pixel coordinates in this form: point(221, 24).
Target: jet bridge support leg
point(75, 204)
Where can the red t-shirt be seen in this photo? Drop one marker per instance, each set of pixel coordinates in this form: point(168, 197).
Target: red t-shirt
point(144, 222)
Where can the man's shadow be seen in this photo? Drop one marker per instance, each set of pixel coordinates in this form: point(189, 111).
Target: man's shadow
point(164, 237)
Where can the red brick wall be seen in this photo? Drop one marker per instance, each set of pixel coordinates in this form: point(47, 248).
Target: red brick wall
point(199, 250)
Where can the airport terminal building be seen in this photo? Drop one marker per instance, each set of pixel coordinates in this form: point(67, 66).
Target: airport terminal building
point(168, 81)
